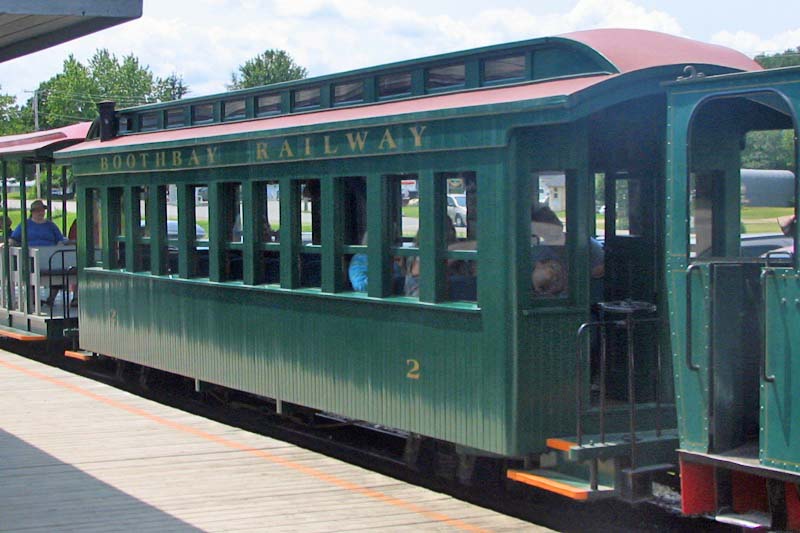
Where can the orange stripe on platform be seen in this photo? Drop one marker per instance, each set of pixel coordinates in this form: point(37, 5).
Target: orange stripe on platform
point(549, 485)
point(311, 472)
point(561, 444)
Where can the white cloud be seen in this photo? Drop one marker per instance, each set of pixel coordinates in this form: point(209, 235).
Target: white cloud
point(206, 40)
point(752, 44)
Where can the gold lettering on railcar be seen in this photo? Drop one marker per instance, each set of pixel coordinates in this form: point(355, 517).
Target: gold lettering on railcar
point(364, 141)
point(261, 152)
point(211, 154)
point(286, 150)
point(413, 369)
point(387, 140)
point(417, 132)
point(328, 149)
point(357, 140)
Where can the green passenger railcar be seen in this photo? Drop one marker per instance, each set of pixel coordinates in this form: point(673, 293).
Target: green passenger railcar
point(219, 237)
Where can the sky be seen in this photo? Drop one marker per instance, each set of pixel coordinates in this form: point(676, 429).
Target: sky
point(205, 41)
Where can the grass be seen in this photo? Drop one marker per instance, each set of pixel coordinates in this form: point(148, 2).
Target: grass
point(763, 219)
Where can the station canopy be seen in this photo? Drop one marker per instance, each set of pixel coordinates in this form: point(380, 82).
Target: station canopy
point(32, 25)
point(40, 145)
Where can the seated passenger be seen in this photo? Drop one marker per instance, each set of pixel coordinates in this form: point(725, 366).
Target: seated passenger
point(358, 271)
point(546, 227)
point(549, 277)
point(40, 231)
point(411, 286)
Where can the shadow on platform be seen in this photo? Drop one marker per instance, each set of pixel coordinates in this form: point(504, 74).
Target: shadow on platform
point(41, 493)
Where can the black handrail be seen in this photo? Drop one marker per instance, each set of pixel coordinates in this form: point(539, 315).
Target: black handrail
point(689, 361)
point(64, 273)
point(764, 374)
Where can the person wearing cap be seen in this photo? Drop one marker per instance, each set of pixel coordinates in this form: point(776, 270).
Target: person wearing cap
point(41, 232)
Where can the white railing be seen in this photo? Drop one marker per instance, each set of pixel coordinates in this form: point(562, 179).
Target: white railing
point(48, 266)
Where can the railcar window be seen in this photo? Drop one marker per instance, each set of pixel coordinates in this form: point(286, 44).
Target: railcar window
point(310, 210)
point(202, 113)
point(116, 228)
point(394, 84)
point(353, 206)
point(269, 104)
point(403, 230)
point(198, 198)
point(307, 98)
point(504, 68)
point(628, 206)
point(125, 124)
point(233, 109)
point(176, 118)
point(230, 214)
point(93, 229)
point(548, 215)
point(141, 236)
point(267, 222)
point(461, 235)
point(348, 93)
point(445, 76)
point(150, 121)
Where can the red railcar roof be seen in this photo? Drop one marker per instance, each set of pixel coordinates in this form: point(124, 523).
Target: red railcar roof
point(627, 50)
point(631, 50)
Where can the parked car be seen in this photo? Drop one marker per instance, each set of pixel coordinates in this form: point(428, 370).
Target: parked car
point(457, 209)
point(172, 230)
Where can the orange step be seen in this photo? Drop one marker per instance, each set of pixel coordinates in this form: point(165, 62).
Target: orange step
point(562, 484)
point(21, 334)
point(561, 444)
point(80, 355)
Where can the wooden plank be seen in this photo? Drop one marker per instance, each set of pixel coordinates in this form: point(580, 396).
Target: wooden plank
point(68, 445)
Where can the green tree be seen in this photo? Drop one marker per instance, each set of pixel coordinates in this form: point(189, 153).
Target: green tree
point(772, 149)
point(788, 58)
point(171, 88)
point(271, 66)
point(72, 95)
point(11, 117)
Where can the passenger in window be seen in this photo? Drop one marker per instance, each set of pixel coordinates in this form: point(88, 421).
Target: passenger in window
point(546, 227)
point(358, 271)
point(411, 286)
point(549, 277)
point(41, 232)
point(269, 234)
point(8, 227)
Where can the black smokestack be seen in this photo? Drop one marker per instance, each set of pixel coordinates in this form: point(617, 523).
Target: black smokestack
point(108, 123)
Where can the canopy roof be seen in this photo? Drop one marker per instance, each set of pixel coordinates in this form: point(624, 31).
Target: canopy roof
point(32, 25)
point(41, 144)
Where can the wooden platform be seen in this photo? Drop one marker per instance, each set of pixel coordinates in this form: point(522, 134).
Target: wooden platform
point(78, 455)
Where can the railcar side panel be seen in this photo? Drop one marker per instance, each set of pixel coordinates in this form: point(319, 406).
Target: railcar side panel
point(425, 371)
